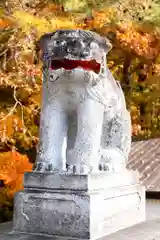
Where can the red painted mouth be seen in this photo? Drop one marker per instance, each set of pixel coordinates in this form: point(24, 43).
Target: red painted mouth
point(67, 64)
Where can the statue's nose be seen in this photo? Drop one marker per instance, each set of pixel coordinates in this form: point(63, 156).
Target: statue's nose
point(78, 43)
point(76, 47)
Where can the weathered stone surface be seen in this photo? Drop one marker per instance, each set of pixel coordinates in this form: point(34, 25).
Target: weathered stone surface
point(80, 182)
point(77, 213)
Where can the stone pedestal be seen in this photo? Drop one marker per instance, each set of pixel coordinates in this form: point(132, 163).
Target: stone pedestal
point(79, 206)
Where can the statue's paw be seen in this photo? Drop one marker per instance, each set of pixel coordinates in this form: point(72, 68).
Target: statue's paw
point(43, 167)
point(38, 167)
point(71, 169)
point(78, 169)
point(112, 167)
point(112, 160)
point(107, 167)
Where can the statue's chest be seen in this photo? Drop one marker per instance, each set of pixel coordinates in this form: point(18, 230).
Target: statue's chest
point(73, 77)
point(68, 93)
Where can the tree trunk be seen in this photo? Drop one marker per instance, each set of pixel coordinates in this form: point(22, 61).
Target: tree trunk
point(126, 80)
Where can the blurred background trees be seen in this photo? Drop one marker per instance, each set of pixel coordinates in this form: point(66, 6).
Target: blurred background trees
point(134, 30)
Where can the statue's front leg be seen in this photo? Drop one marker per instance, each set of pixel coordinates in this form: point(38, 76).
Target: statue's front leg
point(53, 128)
point(85, 155)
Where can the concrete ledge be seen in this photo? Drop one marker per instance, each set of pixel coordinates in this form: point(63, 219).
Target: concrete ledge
point(148, 230)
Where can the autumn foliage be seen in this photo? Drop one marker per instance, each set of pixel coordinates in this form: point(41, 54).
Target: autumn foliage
point(12, 167)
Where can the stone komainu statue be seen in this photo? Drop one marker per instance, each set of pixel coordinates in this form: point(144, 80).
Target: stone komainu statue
point(82, 103)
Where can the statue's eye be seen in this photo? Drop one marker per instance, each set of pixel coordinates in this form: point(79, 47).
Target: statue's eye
point(59, 43)
point(56, 43)
point(94, 45)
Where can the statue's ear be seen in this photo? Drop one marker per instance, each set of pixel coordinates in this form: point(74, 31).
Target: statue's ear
point(42, 43)
point(103, 42)
point(107, 45)
point(44, 39)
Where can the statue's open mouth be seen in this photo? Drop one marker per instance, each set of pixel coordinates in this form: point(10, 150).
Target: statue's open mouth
point(91, 65)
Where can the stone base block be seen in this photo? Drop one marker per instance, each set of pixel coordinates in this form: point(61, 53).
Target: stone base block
point(49, 181)
point(89, 214)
